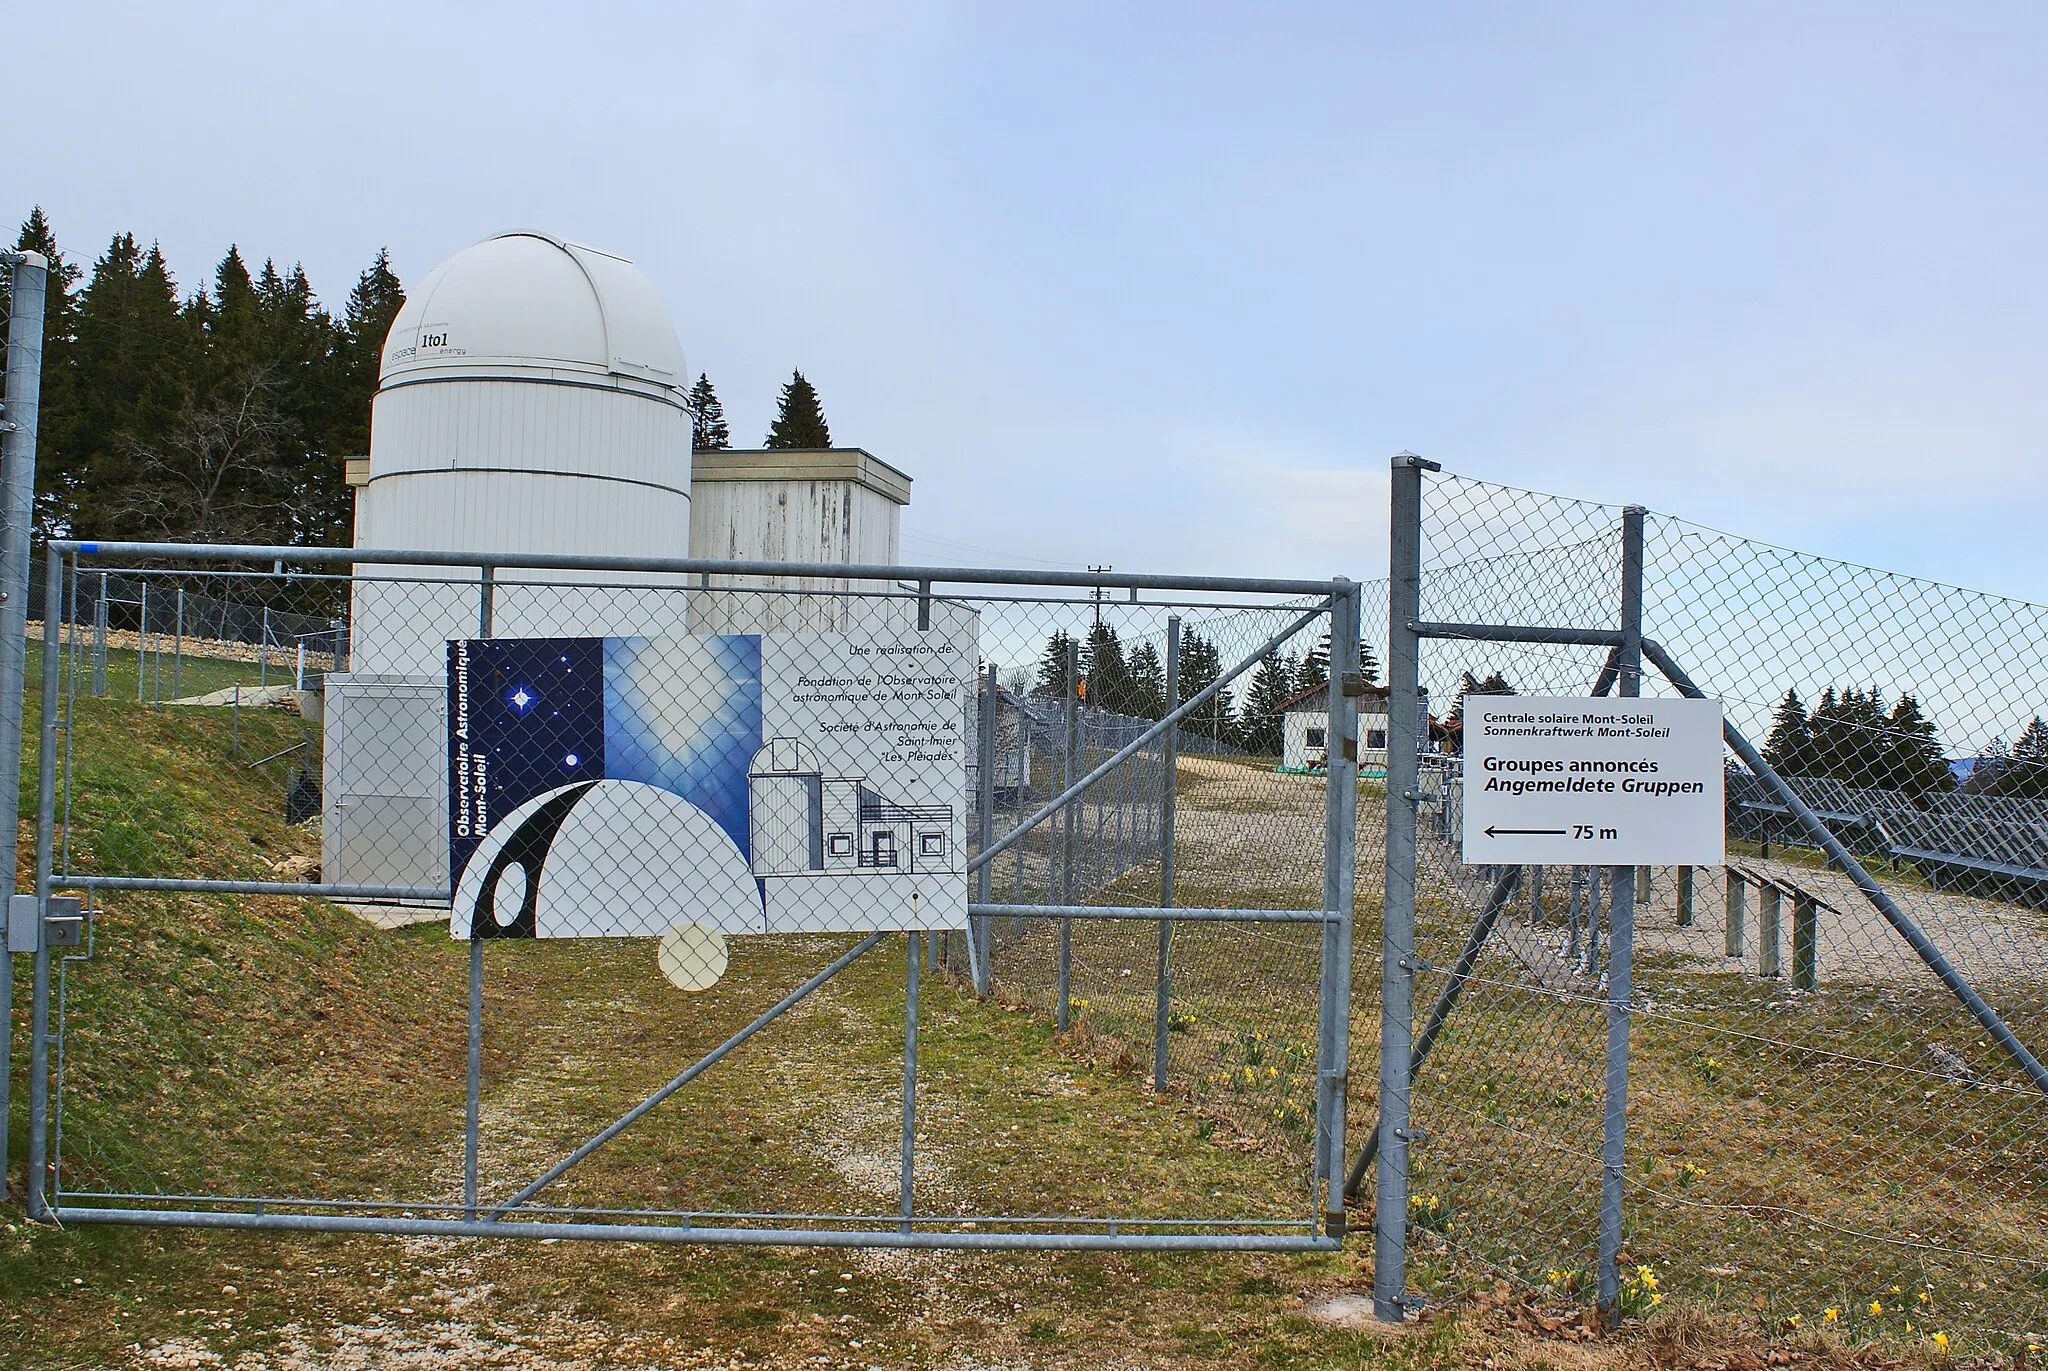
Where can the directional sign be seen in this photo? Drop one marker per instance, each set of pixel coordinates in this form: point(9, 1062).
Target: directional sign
point(1602, 781)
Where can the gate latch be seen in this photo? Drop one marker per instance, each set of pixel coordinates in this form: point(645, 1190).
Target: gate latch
point(63, 927)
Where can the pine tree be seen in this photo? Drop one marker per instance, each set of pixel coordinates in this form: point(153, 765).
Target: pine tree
point(1107, 676)
point(1200, 665)
point(708, 430)
point(1789, 749)
point(1913, 759)
point(1148, 682)
point(1315, 666)
point(1260, 727)
point(799, 419)
point(2025, 775)
point(131, 375)
point(57, 473)
point(366, 320)
point(1053, 676)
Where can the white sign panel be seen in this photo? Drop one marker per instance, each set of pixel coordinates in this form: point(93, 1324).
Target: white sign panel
point(1602, 781)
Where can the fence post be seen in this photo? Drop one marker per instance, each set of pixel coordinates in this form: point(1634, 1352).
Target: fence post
point(1340, 772)
point(46, 848)
point(1685, 897)
point(99, 642)
point(1735, 941)
point(1805, 942)
point(1535, 897)
point(979, 945)
point(1621, 944)
point(1397, 939)
point(906, 1181)
point(178, 651)
point(1065, 837)
point(141, 641)
point(29, 283)
point(1769, 952)
point(472, 1126)
point(1169, 744)
point(1577, 913)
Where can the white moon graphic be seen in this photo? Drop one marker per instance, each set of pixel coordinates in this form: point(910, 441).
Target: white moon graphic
point(625, 860)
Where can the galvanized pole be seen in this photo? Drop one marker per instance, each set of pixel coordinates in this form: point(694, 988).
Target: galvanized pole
point(99, 642)
point(1621, 945)
point(46, 846)
point(1397, 944)
point(178, 651)
point(906, 1182)
point(141, 642)
point(23, 404)
point(980, 945)
point(1069, 888)
point(1340, 771)
point(472, 1124)
point(1162, 1013)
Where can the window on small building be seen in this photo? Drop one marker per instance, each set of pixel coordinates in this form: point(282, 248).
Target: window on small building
point(1316, 737)
point(1376, 737)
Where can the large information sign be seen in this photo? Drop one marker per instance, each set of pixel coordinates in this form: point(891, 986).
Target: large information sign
point(1563, 781)
point(734, 783)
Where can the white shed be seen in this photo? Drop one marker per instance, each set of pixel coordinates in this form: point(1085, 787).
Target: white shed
point(1305, 730)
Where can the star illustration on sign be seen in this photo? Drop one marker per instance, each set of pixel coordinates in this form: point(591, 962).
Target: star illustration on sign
point(522, 700)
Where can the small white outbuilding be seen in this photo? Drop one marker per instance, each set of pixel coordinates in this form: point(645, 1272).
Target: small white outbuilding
point(1305, 719)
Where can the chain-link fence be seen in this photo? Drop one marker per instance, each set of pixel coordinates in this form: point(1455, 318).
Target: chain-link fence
point(1822, 1132)
point(458, 939)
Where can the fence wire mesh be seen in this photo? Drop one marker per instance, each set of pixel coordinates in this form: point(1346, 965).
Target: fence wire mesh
point(1820, 1134)
point(640, 860)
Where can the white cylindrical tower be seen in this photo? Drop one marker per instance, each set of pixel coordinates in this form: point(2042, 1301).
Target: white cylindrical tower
point(530, 400)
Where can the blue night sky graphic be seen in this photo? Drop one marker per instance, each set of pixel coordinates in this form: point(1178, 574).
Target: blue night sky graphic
point(680, 713)
point(685, 714)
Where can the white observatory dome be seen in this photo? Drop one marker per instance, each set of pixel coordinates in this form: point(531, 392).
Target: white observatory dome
point(526, 301)
point(530, 402)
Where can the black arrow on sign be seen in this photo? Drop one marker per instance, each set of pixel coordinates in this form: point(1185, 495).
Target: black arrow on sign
point(1493, 832)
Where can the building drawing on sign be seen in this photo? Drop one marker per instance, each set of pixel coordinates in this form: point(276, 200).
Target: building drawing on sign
point(805, 822)
point(1304, 739)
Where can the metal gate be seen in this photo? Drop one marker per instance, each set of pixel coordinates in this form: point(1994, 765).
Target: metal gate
point(1138, 1040)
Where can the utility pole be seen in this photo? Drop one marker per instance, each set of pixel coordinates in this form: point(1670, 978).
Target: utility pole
point(1097, 593)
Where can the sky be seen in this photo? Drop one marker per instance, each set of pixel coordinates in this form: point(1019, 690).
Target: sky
point(1163, 286)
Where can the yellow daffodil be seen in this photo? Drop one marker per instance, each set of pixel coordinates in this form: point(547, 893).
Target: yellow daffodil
point(1940, 1341)
point(1876, 1308)
point(1830, 1314)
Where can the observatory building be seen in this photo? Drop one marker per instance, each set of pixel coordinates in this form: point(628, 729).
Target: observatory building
point(530, 401)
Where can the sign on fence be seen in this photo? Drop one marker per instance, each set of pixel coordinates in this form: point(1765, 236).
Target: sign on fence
point(1602, 781)
point(740, 783)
